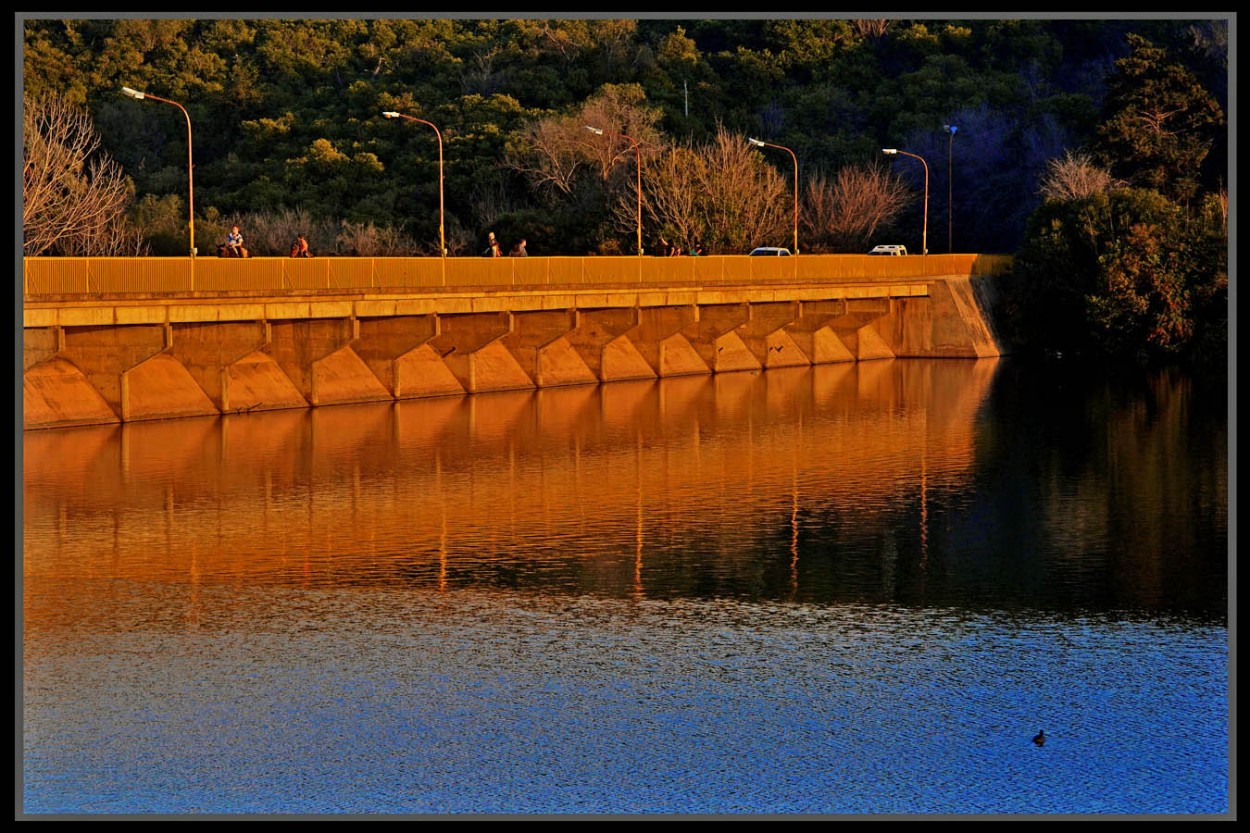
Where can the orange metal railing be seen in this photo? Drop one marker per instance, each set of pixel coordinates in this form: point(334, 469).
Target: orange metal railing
point(44, 276)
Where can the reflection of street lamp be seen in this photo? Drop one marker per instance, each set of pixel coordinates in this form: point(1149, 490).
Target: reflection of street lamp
point(138, 96)
point(758, 143)
point(442, 240)
point(638, 182)
point(924, 234)
point(950, 141)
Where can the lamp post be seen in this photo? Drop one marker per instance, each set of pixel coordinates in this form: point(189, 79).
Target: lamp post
point(924, 234)
point(138, 96)
point(442, 239)
point(638, 179)
point(758, 143)
point(950, 141)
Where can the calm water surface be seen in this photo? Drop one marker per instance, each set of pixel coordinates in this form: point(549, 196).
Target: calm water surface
point(834, 590)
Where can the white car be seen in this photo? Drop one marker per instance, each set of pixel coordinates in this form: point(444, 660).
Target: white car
point(888, 249)
point(770, 250)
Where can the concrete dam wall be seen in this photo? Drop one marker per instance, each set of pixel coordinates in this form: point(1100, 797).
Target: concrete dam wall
point(120, 339)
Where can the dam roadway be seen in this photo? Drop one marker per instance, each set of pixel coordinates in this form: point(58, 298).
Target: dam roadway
point(108, 340)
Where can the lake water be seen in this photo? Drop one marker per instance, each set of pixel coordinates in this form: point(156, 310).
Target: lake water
point(839, 590)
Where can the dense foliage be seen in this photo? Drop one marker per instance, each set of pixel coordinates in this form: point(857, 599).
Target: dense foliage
point(288, 123)
point(1133, 267)
point(1125, 273)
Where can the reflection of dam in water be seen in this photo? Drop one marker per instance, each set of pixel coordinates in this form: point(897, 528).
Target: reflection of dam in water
point(422, 490)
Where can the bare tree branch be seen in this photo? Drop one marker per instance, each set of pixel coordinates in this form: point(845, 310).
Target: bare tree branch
point(673, 202)
point(1074, 176)
point(555, 151)
point(847, 213)
point(871, 28)
point(74, 197)
point(723, 194)
point(746, 198)
point(552, 151)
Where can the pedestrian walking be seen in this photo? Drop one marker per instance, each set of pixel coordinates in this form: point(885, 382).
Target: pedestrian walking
point(492, 246)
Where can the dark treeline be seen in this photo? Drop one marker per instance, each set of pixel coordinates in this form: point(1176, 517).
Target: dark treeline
point(289, 132)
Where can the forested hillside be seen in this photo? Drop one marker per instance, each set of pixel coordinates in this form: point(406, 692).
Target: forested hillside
point(289, 135)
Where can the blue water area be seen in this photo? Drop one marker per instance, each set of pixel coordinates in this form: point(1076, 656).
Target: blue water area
point(384, 702)
point(840, 591)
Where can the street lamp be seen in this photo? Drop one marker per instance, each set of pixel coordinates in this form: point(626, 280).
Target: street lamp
point(442, 239)
point(638, 181)
point(758, 143)
point(138, 96)
point(924, 234)
point(950, 140)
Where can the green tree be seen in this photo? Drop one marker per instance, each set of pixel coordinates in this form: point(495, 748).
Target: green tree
point(337, 182)
point(1122, 273)
point(164, 224)
point(1161, 121)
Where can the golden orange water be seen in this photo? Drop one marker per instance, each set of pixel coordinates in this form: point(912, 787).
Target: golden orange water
point(249, 498)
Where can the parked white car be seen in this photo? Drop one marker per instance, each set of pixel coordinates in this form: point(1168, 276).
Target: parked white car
point(770, 250)
point(888, 249)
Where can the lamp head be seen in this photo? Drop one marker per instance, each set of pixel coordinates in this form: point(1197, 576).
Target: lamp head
point(755, 142)
point(889, 151)
point(135, 94)
point(595, 130)
point(952, 128)
point(390, 114)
